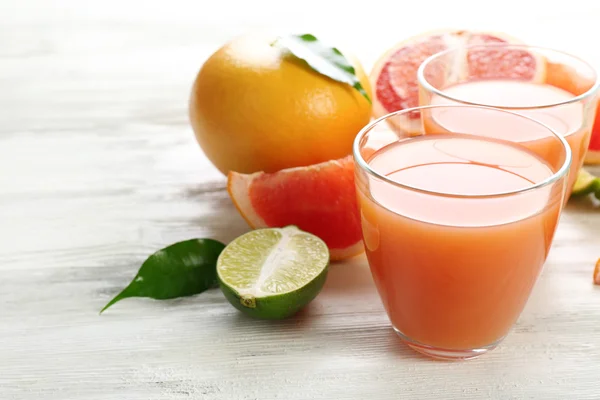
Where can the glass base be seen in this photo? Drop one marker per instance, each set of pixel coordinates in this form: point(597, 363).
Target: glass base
point(446, 354)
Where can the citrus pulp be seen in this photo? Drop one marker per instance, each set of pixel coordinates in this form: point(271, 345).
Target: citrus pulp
point(320, 199)
point(394, 76)
point(273, 273)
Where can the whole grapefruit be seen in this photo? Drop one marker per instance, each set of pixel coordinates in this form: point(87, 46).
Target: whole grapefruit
point(255, 107)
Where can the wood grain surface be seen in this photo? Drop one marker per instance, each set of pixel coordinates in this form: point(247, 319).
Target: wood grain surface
point(99, 168)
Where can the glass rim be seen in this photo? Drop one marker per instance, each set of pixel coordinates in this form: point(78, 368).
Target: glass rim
point(364, 165)
point(429, 87)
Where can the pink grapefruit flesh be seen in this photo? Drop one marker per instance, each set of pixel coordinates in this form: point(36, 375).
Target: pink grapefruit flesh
point(319, 199)
point(394, 76)
point(569, 79)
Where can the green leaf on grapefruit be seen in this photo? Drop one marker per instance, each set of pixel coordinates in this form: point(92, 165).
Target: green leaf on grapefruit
point(328, 61)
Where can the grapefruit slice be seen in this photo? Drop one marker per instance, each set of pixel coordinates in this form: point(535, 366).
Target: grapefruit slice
point(592, 156)
point(394, 76)
point(319, 199)
point(567, 78)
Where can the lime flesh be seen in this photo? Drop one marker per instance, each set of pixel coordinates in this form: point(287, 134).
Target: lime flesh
point(585, 184)
point(273, 273)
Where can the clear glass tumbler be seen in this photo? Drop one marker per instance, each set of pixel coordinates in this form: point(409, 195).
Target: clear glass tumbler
point(548, 85)
point(457, 224)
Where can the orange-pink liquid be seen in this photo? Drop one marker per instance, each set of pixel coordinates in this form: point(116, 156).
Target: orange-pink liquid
point(452, 272)
point(567, 119)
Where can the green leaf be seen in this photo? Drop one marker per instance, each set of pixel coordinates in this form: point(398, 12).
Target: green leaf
point(181, 269)
point(327, 61)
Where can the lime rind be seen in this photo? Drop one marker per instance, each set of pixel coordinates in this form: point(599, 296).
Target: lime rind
point(585, 184)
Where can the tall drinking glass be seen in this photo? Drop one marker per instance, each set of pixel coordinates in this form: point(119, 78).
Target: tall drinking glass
point(457, 223)
point(547, 85)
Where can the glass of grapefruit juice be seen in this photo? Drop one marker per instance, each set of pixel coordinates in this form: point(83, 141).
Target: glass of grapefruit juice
point(550, 86)
point(457, 224)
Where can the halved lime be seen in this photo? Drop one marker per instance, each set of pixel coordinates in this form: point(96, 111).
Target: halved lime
point(585, 184)
point(272, 273)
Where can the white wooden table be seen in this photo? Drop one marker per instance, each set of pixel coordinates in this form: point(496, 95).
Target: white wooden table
point(99, 168)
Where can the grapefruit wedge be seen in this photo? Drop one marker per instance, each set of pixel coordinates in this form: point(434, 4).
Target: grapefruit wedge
point(319, 199)
point(567, 78)
point(394, 75)
point(592, 156)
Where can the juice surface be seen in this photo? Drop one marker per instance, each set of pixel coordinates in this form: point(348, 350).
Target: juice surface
point(567, 119)
point(452, 272)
